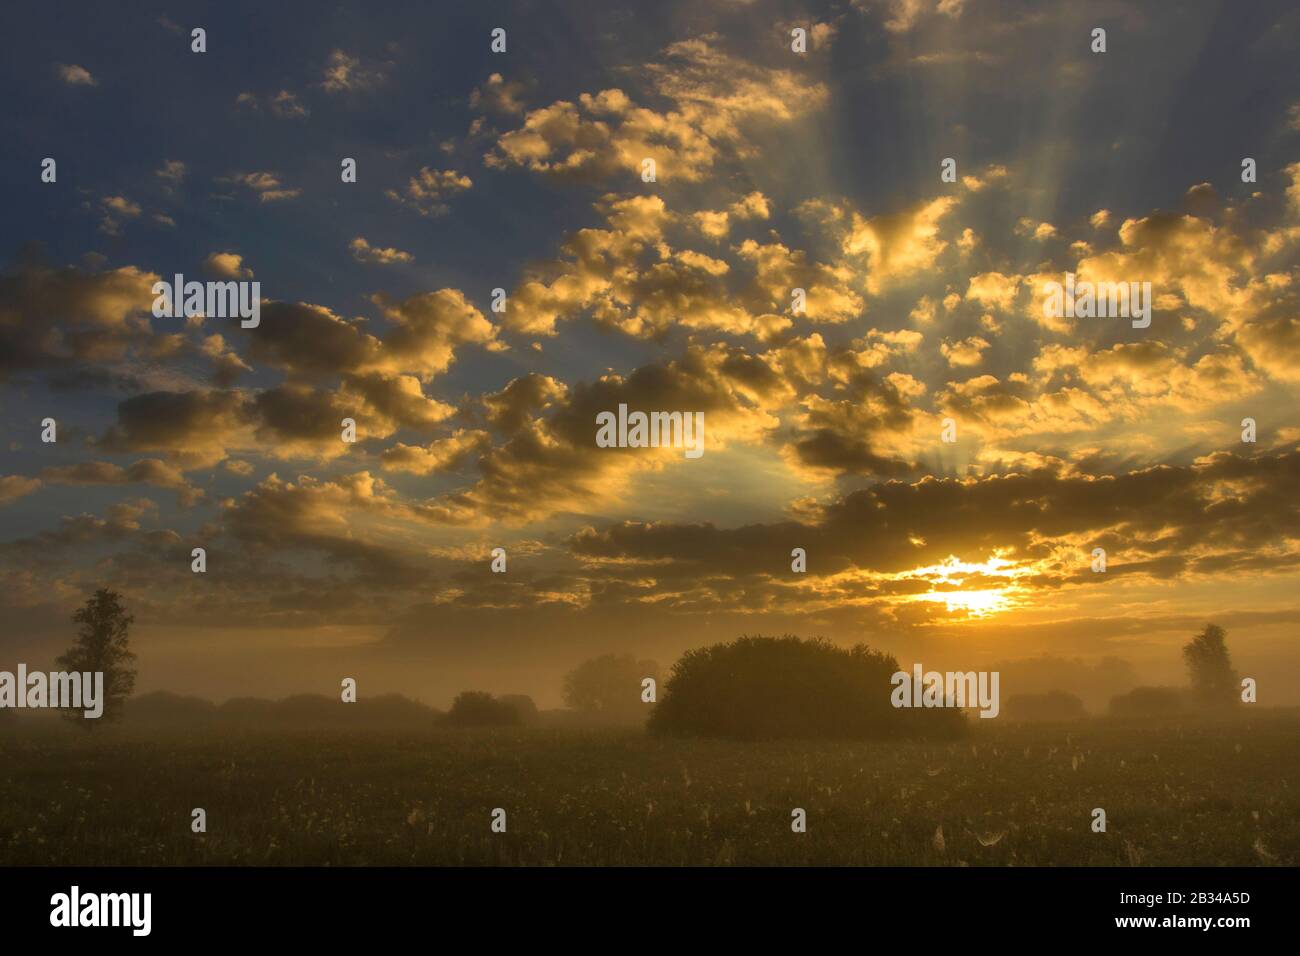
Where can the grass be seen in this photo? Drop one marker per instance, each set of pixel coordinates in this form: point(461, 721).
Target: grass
point(1190, 794)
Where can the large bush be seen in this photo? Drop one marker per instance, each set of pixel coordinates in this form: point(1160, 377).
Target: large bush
point(768, 687)
point(476, 708)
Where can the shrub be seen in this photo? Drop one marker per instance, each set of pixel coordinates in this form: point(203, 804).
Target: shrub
point(1151, 702)
point(524, 706)
point(476, 708)
point(766, 687)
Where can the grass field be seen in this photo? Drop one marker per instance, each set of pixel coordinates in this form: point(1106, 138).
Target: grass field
point(1173, 795)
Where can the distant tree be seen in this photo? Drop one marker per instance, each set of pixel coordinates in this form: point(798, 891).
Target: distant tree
point(1210, 667)
point(476, 708)
point(523, 705)
point(163, 709)
point(608, 688)
point(768, 687)
point(1151, 702)
point(102, 637)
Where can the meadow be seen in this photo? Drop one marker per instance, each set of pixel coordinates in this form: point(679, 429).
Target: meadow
point(1194, 793)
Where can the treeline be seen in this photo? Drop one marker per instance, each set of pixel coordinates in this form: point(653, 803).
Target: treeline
point(161, 710)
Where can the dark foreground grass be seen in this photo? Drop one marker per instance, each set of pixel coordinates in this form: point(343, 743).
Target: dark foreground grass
point(1192, 794)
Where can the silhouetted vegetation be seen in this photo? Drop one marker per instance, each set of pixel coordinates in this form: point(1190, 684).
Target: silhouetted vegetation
point(1151, 702)
point(1054, 705)
point(175, 710)
point(607, 689)
point(523, 705)
point(299, 712)
point(766, 687)
point(476, 708)
point(1209, 665)
point(102, 637)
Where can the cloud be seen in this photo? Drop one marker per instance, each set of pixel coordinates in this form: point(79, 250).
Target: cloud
point(498, 95)
point(441, 455)
point(282, 105)
point(363, 251)
point(1030, 532)
point(172, 173)
point(717, 101)
point(149, 471)
point(347, 74)
point(116, 209)
point(901, 16)
point(429, 327)
point(425, 332)
point(265, 185)
point(964, 353)
point(13, 487)
point(65, 318)
point(226, 265)
point(427, 191)
point(193, 429)
point(73, 75)
point(515, 405)
point(553, 464)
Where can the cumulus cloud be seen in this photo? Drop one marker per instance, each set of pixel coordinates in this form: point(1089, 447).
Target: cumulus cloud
point(363, 251)
point(427, 192)
point(73, 75)
point(148, 471)
point(266, 186)
point(440, 455)
point(65, 318)
point(13, 487)
point(348, 74)
point(717, 100)
point(499, 95)
point(226, 265)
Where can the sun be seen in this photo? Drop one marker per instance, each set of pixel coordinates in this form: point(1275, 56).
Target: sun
point(947, 577)
point(974, 603)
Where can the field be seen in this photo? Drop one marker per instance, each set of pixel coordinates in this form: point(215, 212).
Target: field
point(1193, 794)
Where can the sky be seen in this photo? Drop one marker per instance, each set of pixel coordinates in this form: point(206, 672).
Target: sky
point(774, 169)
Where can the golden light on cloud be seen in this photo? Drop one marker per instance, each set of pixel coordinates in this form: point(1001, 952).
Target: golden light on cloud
point(946, 580)
point(975, 603)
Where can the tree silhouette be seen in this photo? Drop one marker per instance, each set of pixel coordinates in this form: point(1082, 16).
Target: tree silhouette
point(102, 646)
point(608, 688)
point(1210, 667)
point(477, 708)
point(757, 688)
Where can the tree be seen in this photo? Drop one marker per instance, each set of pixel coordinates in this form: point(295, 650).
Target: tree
point(608, 688)
point(1210, 667)
point(477, 708)
point(758, 688)
point(104, 630)
point(524, 706)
